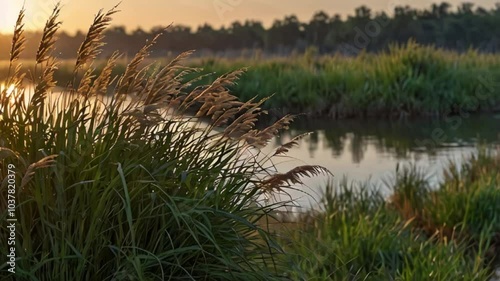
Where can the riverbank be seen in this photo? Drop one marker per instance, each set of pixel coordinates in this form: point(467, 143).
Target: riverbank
point(404, 81)
point(418, 233)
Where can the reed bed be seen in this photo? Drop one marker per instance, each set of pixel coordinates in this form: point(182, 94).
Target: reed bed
point(405, 80)
point(137, 176)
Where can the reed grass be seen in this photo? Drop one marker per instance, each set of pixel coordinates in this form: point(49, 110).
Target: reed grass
point(419, 233)
point(117, 180)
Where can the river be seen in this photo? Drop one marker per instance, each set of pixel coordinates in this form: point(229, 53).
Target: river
point(370, 150)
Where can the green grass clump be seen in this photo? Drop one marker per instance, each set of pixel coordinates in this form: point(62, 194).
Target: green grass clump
point(116, 181)
point(419, 233)
point(405, 80)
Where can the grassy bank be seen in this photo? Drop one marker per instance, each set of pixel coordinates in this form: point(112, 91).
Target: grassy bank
point(405, 80)
point(419, 233)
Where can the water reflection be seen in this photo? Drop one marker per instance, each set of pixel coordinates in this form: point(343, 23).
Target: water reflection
point(396, 139)
point(364, 150)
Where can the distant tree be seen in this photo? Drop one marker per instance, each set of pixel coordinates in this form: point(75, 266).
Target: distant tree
point(461, 28)
point(317, 29)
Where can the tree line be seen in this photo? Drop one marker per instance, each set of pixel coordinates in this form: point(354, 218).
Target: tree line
point(457, 28)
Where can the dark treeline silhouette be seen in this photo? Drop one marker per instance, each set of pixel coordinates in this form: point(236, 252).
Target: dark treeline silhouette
point(457, 28)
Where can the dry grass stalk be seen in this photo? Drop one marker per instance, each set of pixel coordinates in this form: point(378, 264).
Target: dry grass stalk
point(284, 148)
point(46, 81)
point(219, 85)
point(101, 84)
point(261, 138)
point(86, 81)
point(217, 103)
point(166, 84)
point(245, 123)
point(8, 153)
point(278, 181)
point(131, 81)
point(45, 162)
point(18, 45)
point(45, 84)
point(48, 36)
point(18, 39)
point(91, 46)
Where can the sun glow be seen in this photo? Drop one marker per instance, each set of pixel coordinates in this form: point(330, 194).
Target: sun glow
point(34, 16)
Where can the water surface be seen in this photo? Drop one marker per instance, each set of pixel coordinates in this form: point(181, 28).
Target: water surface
point(362, 150)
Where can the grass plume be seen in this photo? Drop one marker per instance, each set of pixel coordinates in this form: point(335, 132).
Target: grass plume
point(138, 179)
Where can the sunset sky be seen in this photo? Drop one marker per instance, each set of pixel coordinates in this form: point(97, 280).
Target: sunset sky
point(77, 14)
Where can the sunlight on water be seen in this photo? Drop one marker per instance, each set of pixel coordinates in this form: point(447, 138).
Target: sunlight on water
point(7, 96)
point(8, 89)
point(8, 92)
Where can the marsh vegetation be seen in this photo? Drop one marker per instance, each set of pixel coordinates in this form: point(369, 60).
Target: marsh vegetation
point(136, 172)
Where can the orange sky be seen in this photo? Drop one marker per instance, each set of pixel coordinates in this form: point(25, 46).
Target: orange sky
point(78, 14)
